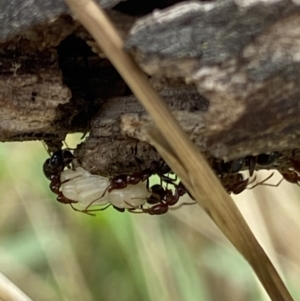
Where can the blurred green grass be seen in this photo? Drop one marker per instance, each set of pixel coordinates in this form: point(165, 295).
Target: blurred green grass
point(54, 253)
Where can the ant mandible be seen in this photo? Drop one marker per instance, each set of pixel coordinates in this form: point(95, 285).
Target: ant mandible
point(57, 162)
point(235, 183)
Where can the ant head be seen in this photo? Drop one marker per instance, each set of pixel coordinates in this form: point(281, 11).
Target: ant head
point(51, 170)
point(61, 158)
point(158, 189)
point(58, 161)
point(48, 171)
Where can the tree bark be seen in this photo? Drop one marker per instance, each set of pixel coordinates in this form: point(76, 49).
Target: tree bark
point(239, 58)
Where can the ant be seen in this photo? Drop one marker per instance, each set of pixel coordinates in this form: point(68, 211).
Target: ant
point(52, 169)
point(296, 164)
point(157, 198)
point(234, 166)
point(121, 181)
point(57, 162)
point(162, 199)
point(236, 183)
point(291, 176)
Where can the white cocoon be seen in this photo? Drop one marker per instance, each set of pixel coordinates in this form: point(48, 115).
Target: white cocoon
point(129, 197)
point(69, 174)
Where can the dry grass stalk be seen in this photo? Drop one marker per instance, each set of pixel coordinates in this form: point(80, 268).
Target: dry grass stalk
point(179, 152)
point(10, 292)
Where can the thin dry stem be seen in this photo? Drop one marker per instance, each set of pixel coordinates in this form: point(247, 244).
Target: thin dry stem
point(179, 152)
point(10, 292)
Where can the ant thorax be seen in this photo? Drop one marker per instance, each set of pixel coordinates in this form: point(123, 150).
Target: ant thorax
point(91, 190)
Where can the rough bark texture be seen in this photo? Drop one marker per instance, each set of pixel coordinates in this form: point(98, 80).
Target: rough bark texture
point(17, 16)
point(243, 56)
point(240, 60)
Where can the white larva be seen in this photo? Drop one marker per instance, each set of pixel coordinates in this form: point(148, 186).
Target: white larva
point(131, 196)
point(81, 186)
point(69, 174)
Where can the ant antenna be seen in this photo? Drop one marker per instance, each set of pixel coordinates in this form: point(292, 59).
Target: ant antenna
point(89, 211)
point(182, 204)
point(266, 184)
point(67, 146)
point(45, 147)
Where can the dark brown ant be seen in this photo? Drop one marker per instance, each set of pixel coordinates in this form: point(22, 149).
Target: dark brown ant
point(236, 183)
point(291, 176)
point(121, 181)
point(296, 164)
point(53, 167)
point(162, 198)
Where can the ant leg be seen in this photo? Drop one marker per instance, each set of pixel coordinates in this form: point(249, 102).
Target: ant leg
point(90, 210)
point(45, 147)
point(253, 180)
point(66, 181)
point(133, 210)
point(169, 178)
point(182, 204)
point(132, 206)
point(275, 185)
point(266, 179)
point(92, 202)
point(148, 185)
point(84, 134)
point(99, 209)
point(75, 209)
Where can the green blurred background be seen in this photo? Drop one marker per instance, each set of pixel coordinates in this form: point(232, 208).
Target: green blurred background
point(54, 253)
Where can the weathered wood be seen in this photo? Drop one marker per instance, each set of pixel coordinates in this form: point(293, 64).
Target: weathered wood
point(29, 98)
point(110, 148)
point(48, 89)
point(17, 16)
point(243, 56)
